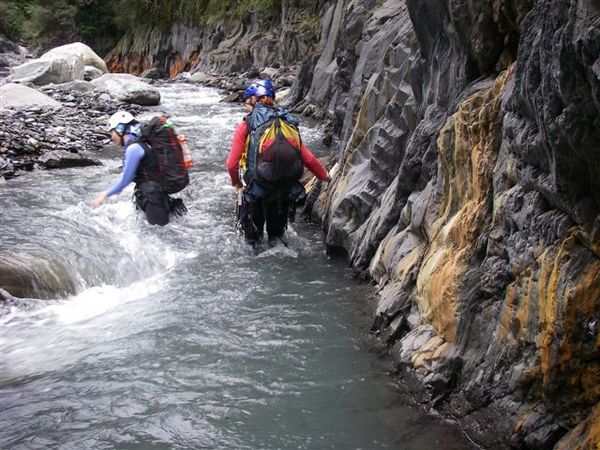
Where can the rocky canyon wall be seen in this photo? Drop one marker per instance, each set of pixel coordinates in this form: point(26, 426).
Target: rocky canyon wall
point(466, 186)
point(224, 47)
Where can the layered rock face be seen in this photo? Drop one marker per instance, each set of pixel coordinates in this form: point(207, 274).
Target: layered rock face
point(467, 187)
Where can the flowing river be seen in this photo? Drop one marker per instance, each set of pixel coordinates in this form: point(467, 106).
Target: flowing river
point(180, 337)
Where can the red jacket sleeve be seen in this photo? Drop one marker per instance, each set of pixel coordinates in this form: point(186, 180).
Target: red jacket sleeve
point(238, 144)
point(313, 164)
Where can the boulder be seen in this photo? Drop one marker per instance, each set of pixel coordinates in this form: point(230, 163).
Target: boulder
point(282, 94)
point(14, 95)
point(183, 76)
point(154, 74)
point(61, 159)
point(77, 50)
point(128, 88)
point(77, 86)
point(59, 65)
point(46, 71)
point(7, 169)
point(199, 77)
point(34, 277)
point(268, 73)
point(91, 73)
point(5, 297)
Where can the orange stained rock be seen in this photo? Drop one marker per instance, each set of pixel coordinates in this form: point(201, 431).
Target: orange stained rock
point(437, 291)
point(565, 301)
point(181, 64)
point(515, 315)
point(468, 144)
point(134, 63)
point(431, 350)
point(176, 66)
point(585, 436)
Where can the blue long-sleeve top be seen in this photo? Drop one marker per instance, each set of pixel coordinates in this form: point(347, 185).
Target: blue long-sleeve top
point(133, 155)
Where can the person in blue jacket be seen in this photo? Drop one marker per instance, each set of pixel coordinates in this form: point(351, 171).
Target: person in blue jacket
point(139, 167)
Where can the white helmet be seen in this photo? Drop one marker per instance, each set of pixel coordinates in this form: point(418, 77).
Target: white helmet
point(118, 118)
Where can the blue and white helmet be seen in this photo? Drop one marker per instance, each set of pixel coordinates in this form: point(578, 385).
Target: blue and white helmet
point(120, 121)
point(260, 88)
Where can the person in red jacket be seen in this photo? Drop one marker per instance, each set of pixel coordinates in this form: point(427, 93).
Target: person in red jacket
point(260, 204)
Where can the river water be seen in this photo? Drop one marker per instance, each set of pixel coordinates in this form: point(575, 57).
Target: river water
point(180, 337)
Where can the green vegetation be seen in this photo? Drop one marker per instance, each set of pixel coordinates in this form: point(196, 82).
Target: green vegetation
point(43, 24)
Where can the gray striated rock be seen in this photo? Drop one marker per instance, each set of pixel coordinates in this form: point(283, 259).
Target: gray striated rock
point(466, 186)
point(225, 47)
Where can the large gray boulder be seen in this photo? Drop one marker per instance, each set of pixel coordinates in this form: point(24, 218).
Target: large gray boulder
point(14, 95)
point(59, 65)
point(77, 50)
point(45, 71)
point(128, 88)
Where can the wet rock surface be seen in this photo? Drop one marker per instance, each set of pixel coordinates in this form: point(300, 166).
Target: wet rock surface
point(26, 276)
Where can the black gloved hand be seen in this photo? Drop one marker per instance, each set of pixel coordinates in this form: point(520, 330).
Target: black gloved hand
point(176, 207)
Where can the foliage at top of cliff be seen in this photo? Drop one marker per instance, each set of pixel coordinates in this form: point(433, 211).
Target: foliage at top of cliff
point(43, 24)
point(165, 12)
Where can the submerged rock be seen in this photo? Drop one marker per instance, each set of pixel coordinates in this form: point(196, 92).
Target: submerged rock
point(154, 74)
point(33, 277)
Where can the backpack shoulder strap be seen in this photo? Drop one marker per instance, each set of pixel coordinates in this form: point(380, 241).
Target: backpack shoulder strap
point(141, 142)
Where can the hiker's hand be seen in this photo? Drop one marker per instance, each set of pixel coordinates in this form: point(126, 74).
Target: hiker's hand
point(99, 200)
point(238, 186)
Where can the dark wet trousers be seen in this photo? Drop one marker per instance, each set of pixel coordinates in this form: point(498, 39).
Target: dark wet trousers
point(157, 204)
point(255, 213)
